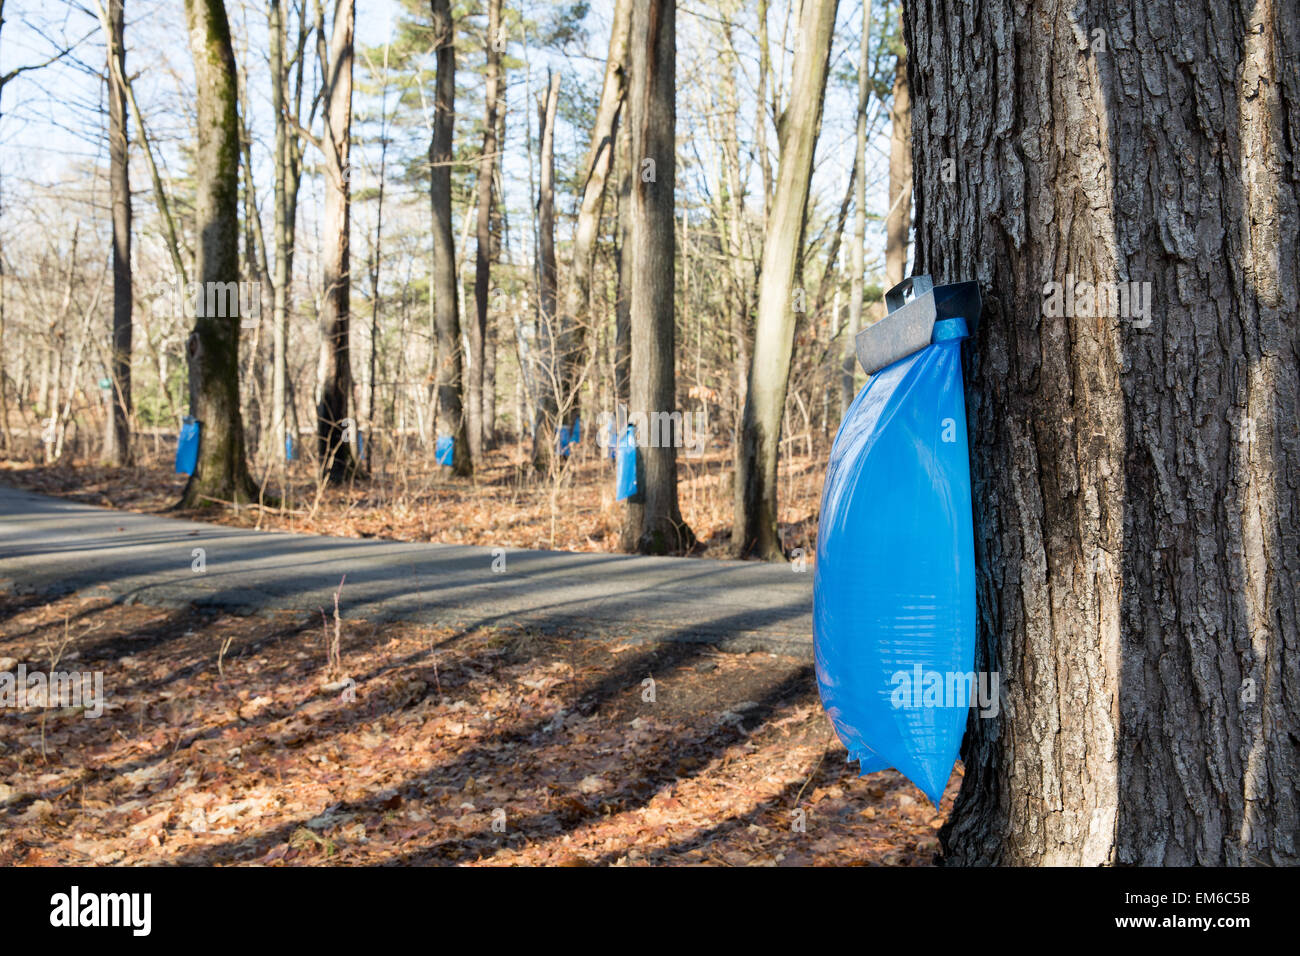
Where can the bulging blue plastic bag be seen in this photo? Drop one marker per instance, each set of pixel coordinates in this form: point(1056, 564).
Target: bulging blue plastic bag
point(894, 587)
point(625, 465)
point(569, 435)
point(187, 447)
point(445, 450)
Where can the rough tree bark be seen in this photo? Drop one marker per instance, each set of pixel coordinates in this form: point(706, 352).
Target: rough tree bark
point(1134, 469)
point(755, 531)
point(653, 522)
point(213, 349)
point(477, 331)
point(332, 434)
point(117, 431)
point(448, 376)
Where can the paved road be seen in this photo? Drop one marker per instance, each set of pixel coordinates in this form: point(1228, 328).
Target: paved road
point(50, 545)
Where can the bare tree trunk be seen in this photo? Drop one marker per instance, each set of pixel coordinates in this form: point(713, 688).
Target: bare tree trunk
point(576, 321)
point(761, 114)
point(622, 264)
point(898, 223)
point(483, 255)
point(332, 434)
point(449, 375)
point(117, 433)
point(376, 259)
point(857, 257)
point(755, 531)
point(550, 403)
point(653, 522)
point(490, 386)
point(213, 350)
point(1133, 454)
point(742, 259)
point(286, 173)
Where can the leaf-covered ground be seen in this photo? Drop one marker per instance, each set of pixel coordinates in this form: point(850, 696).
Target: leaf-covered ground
point(491, 747)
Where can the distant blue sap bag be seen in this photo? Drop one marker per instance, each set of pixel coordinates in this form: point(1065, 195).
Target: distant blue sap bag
point(187, 447)
point(625, 465)
point(568, 435)
point(894, 587)
point(444, 450)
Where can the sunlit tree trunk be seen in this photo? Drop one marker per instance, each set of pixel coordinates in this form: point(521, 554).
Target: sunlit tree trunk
point(898, 222)
point(477, 331)
point(755, 531)
point(857, 252)
point(117, 432)
point(286, 167)
point(332, 434)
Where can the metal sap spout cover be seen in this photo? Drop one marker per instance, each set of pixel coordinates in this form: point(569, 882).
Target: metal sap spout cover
point(894, 582)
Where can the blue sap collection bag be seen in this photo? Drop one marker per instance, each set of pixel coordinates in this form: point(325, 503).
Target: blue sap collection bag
point(625, 465)
point(445, 450)
point(187, 447)
point(894, 586)
point(568, 435)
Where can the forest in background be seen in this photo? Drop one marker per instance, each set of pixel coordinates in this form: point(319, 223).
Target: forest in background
point(433, 236)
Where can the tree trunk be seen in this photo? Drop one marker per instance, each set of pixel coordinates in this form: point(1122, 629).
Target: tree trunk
point(483, 255)
point(622, 265)
point(449, 377)
point(653, 523)
point(898, 223)
point(551, 402)
point(376, 260)
point(1132, 466)
point(284, 202)
point(490, 386)
point(755, 531)
point(857, 253)
point(760, 113)
point(332, 433)
point(576, 321)
point(213, 349)
point(740, 300)
point(117, 432)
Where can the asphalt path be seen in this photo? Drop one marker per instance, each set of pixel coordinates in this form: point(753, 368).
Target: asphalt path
point(54, 546)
